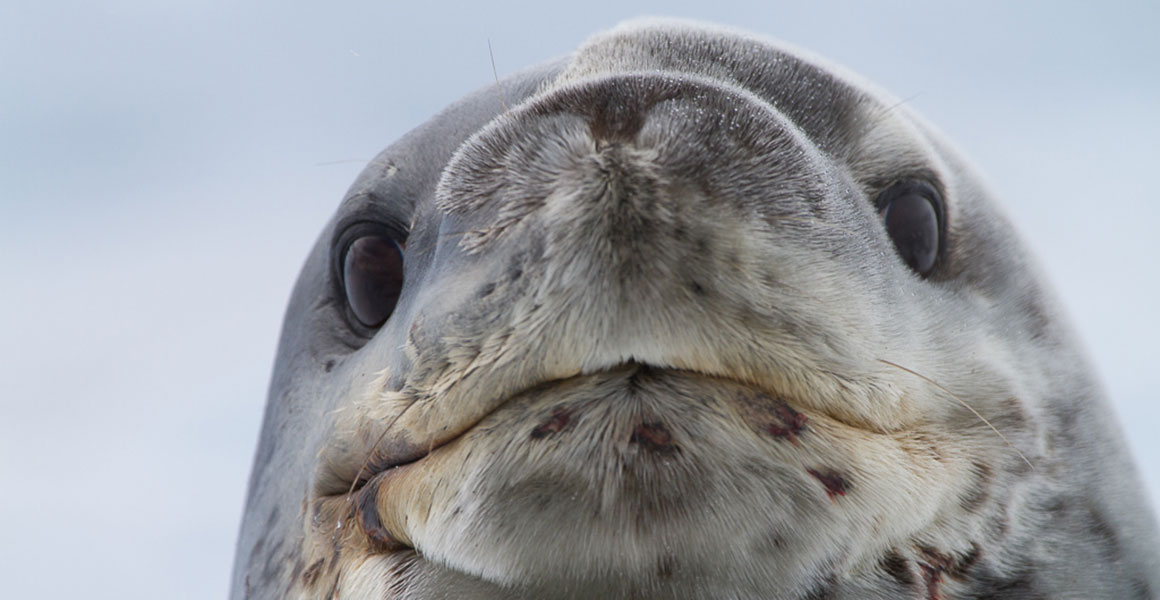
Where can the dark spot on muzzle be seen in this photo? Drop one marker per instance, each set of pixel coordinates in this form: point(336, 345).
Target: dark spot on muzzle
point(835, 484)
point(654, 437)
point(788, 423)
point(311, 572)
point(559, 421)
point(897, 567)
point(935, 564)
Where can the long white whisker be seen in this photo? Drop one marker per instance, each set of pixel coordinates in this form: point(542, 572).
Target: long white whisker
point(965, 405)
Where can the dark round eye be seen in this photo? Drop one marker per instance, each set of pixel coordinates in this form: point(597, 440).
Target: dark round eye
point(372, 275)
point(912, 214)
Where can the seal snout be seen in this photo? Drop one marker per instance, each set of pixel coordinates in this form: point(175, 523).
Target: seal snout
point(654, 143)
point(648, 185)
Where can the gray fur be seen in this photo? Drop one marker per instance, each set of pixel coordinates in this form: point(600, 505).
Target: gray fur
point(654, 342)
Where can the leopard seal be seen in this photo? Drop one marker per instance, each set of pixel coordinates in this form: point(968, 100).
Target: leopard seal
point(686, 314)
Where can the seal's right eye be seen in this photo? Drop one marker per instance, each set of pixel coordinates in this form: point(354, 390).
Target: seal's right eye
point(372, 277)
point(912, 213)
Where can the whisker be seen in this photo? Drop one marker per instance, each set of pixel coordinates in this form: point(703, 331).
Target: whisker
point(884, 112)
point(815, 221)
point(965, 405)
point(495, 73)
point(342, 162)
point(374, 448)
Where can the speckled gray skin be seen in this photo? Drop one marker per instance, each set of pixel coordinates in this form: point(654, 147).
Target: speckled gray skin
point(654, 342)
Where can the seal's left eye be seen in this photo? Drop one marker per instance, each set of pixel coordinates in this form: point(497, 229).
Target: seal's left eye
point(912, 214)
point(372, 275)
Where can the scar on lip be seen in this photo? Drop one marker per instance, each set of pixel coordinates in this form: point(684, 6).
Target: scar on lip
point(556, 423)
point(835, 484)
point(655, 437)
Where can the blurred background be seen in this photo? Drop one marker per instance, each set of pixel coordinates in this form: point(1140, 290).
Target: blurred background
point(165, 166)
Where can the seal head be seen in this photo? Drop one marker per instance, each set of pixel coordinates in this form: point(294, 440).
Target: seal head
point(698, 316)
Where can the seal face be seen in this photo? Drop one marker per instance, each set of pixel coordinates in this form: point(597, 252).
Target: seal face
point(699, 316)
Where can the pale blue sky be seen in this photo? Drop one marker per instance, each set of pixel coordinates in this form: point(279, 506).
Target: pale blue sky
point(164, 168)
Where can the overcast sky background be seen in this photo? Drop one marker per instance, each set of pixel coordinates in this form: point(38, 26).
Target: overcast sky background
point(165, 166)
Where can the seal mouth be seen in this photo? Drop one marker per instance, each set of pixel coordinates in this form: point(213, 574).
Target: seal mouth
point(373, 496)
point(788, 408)
point(373, 467)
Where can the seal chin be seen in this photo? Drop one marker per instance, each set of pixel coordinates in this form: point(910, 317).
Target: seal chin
point(604, 476)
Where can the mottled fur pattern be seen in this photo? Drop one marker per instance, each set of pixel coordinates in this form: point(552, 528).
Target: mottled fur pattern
point(654, 342)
